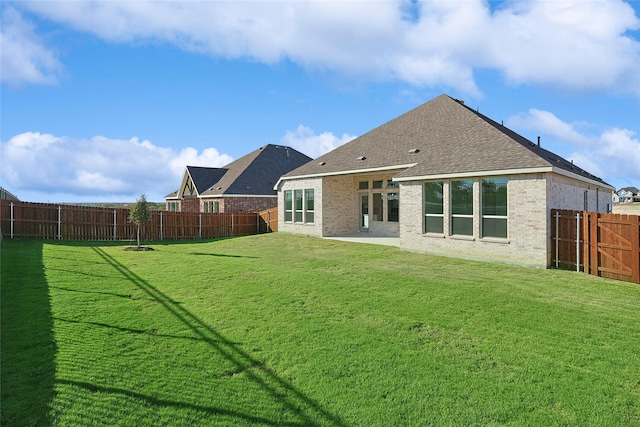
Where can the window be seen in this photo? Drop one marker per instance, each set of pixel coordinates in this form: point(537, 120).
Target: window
point(392, 184)
point(494, 207)
point(462, 207)
point(377, 184)
point(299, 206)
point(433, 207)
point(393, 207)
point(308, 206)
point(174, 206)
point(363, 185)
point(378, 201)
point(288, 206)
point(297, 212)
point(212, 206)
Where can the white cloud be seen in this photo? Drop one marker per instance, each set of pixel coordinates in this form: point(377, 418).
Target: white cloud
point(189, 157)
point(97, 168)
point(548, 123)
point(306, 141)
point(573, 44)
point(612, 154)
point(24, 57)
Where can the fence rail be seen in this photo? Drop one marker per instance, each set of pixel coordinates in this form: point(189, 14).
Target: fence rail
point(606, 245)
point(55, 221)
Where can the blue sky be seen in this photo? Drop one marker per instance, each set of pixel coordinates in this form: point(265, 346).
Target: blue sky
point(102, 101)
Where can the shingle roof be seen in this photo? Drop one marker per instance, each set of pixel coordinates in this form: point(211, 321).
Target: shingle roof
point(253, 174)
point(633, 190)
point(204, 177)
point(258, 171)
point(440, 137)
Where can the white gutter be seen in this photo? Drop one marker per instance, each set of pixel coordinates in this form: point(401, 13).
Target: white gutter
point(347, 172)
point(215, 196)
point(582, 178)
point(478, 173)
point(520, 171)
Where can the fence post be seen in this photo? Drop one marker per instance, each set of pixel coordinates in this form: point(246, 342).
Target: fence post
point(586, 220)
point(258, 223)
point(114, 224)
point(232, 224)
point(557, 215)
point(200, 225)
point(12, 220)
point(635, 248)
point(578, 241)
point(594, 243)
point(59, 222)
point(160, 225)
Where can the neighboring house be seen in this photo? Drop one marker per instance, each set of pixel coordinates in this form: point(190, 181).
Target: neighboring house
point(627, 195)
point(444, 179)
point(245, 185)
point(6, 195)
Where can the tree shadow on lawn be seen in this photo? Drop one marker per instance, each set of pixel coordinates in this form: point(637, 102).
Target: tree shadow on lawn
point(28, 345)
point(305, 409)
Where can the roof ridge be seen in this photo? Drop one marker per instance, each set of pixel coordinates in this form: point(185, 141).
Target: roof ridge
point(549, 157)
point(438, 137)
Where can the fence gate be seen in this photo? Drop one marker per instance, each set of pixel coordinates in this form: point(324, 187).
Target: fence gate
point(606, 245)
point(613, 249)
point(567, 239)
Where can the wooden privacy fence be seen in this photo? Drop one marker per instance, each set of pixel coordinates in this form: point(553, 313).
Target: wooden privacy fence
point(606, 245)
point(53, 221)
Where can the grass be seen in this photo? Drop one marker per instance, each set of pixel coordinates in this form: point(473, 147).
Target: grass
point(286, 330)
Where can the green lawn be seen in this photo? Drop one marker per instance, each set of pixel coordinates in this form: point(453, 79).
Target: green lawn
point(284, 330)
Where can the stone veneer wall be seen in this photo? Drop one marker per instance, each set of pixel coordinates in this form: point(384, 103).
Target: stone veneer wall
point(246, 204)
point(339, 206)
point(527, 222)
point(229, 204)
point(567, 193)
point(189, 204)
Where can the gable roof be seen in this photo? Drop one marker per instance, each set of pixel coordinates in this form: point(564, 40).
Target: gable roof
point(253, 174)
point(633, 190)
point(442, 137)
point(204, 177)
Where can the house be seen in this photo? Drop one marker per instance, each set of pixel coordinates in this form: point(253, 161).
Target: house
point(443, 179)
point(245, 185)
point(627, 195)
point(6, 195)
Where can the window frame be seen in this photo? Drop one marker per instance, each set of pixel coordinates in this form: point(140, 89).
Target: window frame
point(288, 205)
point(503, 181)
point(375, 215)
point(454, 204)
point(427, 214)
point(393, 206)
point(298, 210)
point(309, 212)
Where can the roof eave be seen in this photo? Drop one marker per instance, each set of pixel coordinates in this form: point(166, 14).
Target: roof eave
point(344, 172)
point(474, 173)
point(544, 169)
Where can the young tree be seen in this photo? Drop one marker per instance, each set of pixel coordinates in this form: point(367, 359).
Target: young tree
point(140, 213)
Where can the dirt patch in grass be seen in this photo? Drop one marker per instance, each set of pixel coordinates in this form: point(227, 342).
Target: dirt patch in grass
point(141, 248)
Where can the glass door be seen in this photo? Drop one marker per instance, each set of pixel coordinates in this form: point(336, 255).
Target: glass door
point(364, 212)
